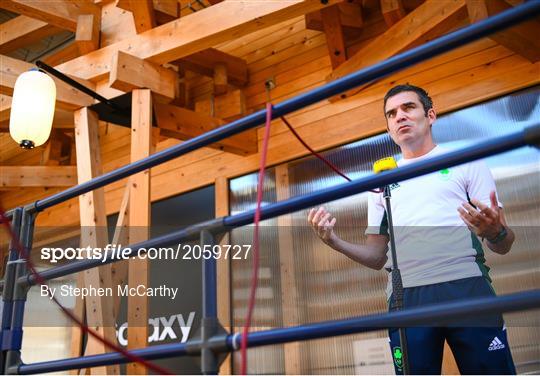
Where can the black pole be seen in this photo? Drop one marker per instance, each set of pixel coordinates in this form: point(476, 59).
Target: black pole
point(396, 303)
point(70, 81)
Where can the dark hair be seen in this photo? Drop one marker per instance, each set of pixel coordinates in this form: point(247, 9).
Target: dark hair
point(424, 97)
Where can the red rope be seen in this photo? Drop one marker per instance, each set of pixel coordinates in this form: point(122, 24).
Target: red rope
point(24, 253)
point(255, 271)
point(326, 161)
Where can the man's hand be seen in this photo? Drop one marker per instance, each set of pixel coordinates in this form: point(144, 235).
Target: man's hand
point(484, 221)
point(322, 223)
point(372, 254)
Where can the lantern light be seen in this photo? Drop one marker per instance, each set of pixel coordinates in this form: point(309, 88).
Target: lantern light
point(32, 109)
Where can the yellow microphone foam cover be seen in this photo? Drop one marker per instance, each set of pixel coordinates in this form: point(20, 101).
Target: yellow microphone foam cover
point(384, 164)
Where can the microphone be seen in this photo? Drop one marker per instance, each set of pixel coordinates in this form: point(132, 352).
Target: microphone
point(384, 164)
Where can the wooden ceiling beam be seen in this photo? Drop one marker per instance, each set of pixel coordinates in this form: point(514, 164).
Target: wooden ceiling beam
point(335, 39)
point(204, 62)
point(392, 11)
point(183, 124)
point(5, 109)
point(429, 20)
point(22, 31)
point(164, 10)
point(143, 15)
point(87, 38)
point(87, 34)
point(228, 106)
point(62, 54)
point(198, 32)
point(521, 38)
point(62, 119)
point(67, 97)
point(350, 15)
point(37, 176)
point(60, 13)
point(129, 72)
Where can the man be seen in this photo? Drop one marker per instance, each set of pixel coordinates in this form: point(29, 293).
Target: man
point(438, 220)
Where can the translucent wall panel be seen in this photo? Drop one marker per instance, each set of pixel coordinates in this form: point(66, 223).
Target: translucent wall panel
point(267, 312)
point(330, 286)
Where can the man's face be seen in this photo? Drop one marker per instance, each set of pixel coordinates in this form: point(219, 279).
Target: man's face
point(406, 119)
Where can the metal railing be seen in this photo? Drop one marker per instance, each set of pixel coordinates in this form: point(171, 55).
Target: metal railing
point(214, 340)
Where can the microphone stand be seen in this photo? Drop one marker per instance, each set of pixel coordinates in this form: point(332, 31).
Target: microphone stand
point(397, 284)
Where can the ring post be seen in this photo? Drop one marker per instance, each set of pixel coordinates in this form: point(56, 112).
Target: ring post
point(8, 288)
point(13, 357)
point(210, 326)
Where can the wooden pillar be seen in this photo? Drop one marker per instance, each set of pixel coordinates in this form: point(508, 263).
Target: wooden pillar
point(119, 269)
point(99, 310)
point(77, 338)
point(182, 92)
point(289, 299)
point(139, 222)
point(221, 189)
point(221, 84)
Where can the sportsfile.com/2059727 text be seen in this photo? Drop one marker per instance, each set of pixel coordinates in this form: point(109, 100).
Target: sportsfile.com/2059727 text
point(117, 252)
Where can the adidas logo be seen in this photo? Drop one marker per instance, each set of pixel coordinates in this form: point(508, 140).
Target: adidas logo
point(496, 344)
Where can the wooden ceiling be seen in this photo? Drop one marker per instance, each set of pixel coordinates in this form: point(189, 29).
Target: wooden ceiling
point(172, 46)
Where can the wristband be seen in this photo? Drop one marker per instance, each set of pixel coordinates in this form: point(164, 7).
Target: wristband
point(499, 237)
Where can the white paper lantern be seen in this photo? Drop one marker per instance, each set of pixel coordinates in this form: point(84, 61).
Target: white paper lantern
point(32, 109)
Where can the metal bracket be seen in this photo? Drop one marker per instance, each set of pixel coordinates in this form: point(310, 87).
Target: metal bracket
point(209, 340)
point(20, 290)
point(10, 279)
point(269, 85)
point(14, 360)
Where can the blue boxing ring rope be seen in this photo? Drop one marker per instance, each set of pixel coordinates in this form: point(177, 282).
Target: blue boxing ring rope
point(213, 341)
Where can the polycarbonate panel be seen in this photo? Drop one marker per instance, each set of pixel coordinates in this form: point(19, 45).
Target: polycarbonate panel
point(330, 286)
point(267, 313)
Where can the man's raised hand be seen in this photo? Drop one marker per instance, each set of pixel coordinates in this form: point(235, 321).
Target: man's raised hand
point(322, 223)
point(484, 220)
